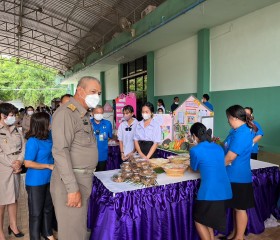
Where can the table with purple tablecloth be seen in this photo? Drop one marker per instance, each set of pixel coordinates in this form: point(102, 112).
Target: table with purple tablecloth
point(114, 157)
point(125, 211)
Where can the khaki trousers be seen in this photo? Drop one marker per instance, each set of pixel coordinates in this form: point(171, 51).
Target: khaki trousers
point(71, 222)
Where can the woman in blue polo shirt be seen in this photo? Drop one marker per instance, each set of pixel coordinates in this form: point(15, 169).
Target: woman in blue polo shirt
point(238, 148)
point(39, 161)
point(210, 207)
point(257, 133)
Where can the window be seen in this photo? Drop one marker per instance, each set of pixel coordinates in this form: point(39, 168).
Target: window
point(135, 80)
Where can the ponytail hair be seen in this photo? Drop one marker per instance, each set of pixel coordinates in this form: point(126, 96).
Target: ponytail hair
point(239, 112)
point(199, 130)
point(250, 123)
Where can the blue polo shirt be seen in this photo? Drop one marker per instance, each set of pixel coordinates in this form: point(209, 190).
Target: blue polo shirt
point(254, 134)
point(209, 105)
point(102, 131)
point(39, 151)
point(209, 159)
point(240, 142)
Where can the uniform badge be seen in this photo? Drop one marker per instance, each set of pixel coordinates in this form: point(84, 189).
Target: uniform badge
point(72, 107)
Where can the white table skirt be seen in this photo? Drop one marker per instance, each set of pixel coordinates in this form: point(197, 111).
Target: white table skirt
point(162, 179)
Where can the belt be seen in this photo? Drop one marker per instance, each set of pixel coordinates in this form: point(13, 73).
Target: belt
point(83, 171)
point(16, 153)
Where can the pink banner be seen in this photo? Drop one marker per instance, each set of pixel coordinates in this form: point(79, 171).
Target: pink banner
point(121, 101)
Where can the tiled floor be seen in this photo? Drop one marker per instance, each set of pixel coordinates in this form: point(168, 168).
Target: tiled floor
point(269, 234)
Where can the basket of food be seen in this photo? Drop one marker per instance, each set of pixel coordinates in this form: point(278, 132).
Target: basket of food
point(179, 160)
point(175, 170)
point(158, 162)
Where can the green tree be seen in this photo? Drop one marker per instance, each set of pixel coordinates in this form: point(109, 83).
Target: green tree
point(32, 84)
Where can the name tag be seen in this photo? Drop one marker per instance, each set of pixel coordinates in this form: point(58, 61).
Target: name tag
point(101, 137)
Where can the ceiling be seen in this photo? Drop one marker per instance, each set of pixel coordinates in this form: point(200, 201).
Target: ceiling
point(207, 15)
point(61, 33)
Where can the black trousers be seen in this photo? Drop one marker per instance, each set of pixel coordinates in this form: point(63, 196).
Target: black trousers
point(41, 211)
point(254, 156)
point(145, 147)
point(101, 166)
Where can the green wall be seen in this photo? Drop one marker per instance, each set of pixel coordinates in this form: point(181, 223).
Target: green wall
point(264, 101)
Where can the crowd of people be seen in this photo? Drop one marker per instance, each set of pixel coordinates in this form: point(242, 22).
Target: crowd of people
point(62, 150)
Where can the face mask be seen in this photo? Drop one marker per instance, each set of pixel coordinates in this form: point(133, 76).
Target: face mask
point(160, 113)
point(98, 116)
point(91, 117)
point(194, 141)
point(92, 100)
point(146, 116)
point(126, 117)
point(10, 120)
point(30, 113)
point(176, 103)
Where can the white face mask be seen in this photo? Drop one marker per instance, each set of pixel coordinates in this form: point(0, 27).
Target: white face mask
point(92, 100)
point(146, 116)
point(10, 120)
point(30, 113)
point(176, 103)
point(98, 116)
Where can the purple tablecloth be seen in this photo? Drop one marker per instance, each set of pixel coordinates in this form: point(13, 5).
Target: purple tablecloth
point(114, 158)
point(165, 212)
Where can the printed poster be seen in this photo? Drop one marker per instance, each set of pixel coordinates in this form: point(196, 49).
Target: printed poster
point(121, 101)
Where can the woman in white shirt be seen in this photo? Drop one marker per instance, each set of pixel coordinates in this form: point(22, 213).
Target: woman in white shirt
point(126, 132)
point(160, 104)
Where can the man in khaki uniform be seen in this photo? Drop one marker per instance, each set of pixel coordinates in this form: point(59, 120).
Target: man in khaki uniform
point(75, 154)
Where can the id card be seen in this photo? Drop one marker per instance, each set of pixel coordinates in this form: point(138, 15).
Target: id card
point(101, 137)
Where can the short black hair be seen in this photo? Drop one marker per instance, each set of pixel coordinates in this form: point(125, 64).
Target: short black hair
point(206, 96)
point(7, 108)
point(175, 98)
point(149, 105)
point(160, 109)
point(65, 95)
point(161, 102)
point(128, 108)
point(39, 126)
point(30, 107)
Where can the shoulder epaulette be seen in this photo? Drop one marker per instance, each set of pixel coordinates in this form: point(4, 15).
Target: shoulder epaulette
point(72, 107)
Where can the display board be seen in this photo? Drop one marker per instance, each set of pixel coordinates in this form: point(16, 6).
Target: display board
point(165, 121)
point(188, 113)
point(208, 122)
point(121, 101)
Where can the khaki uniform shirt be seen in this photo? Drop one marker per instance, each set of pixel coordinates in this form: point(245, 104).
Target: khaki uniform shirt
point(12, 147)
point(74, 144)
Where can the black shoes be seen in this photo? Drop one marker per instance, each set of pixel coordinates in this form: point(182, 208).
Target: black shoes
point(17, 235)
